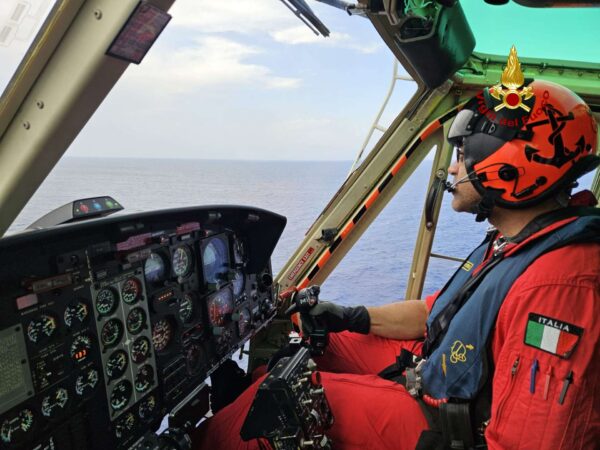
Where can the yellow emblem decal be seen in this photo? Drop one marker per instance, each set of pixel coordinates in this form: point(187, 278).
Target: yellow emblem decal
point(468, 265)
point(444, 363)
point(458, 352)
point(509, 90)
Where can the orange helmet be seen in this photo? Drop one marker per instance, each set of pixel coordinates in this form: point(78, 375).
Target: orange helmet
point(525, 141)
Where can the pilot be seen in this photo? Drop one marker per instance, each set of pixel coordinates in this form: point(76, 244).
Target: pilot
point(505, 355)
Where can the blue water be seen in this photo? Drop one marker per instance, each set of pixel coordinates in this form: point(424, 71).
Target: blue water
point(376, 270)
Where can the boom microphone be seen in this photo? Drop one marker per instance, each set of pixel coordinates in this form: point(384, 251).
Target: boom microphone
point(451, 187)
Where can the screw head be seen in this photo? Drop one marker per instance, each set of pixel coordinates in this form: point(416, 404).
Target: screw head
point(97, 14)
point(26, 125)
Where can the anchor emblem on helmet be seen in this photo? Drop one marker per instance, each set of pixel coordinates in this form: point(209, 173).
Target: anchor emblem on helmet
point(562, 154)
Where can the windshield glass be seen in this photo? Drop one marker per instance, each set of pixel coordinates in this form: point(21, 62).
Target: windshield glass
point(20, 22)
point(569, 34)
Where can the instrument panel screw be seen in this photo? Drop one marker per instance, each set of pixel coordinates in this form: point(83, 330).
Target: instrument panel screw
point(40, 104)
point(97, 14)
point(26, 125)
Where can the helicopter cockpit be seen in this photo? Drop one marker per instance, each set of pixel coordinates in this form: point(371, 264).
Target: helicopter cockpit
point(110, 324)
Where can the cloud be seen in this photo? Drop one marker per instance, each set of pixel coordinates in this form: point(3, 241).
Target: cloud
point(219, 16)
point(303, 35)
point(212, 61)
point(258, 17)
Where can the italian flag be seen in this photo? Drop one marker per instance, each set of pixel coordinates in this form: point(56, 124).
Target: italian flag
point(549, 338)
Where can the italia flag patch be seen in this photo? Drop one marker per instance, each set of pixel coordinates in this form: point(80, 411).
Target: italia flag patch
point(552, 335)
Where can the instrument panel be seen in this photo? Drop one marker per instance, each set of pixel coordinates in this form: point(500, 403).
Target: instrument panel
point(108, 325)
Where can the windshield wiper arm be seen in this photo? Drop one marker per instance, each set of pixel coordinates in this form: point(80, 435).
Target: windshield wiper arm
point(353, 9)
point(306, 15)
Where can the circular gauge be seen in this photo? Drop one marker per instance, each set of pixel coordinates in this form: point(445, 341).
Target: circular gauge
point(131, 290)
point(162, 332)
point(182, 261)
point(244, 322)
point(54, 405)
point(120, 395)
point(125, 424)
point(16, 427)
point(86, 383)
point(111, 332)
point(155, 268)
point(140, 349)
point(193, 358)
point(186, 308)
point(41, 329)
point(238, 252)
point(147, 408)
point(136, 319)
point(214, 260)
point(219, 306)
point(106, 301)
point(144, 378)
point(80, 348)
point(116, 365)
point(238, 283)
point(75, 314)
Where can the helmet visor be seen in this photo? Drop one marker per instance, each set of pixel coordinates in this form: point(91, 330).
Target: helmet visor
point(460, 126)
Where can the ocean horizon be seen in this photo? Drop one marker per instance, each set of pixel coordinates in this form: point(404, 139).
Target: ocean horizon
point(374, 271)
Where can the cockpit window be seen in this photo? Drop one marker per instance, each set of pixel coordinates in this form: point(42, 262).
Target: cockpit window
point(569, 34)
point(20, 22)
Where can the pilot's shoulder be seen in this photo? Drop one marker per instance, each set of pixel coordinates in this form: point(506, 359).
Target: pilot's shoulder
point(575, 264)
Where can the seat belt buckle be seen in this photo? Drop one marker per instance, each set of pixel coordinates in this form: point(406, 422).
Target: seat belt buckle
point(414, 380)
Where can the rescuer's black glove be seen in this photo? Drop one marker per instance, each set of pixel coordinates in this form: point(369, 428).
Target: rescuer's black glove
point(336, 318)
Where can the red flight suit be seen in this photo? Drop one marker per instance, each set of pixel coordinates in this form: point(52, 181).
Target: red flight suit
point(372, 413)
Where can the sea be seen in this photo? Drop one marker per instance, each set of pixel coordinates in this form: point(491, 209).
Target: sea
point(374, 271)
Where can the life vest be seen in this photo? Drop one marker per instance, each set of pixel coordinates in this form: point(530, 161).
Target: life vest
point(462, 317)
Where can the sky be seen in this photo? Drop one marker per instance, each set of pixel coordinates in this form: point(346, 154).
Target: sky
point(246, 80)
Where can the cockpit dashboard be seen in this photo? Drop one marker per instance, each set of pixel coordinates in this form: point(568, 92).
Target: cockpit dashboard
point(108, 325)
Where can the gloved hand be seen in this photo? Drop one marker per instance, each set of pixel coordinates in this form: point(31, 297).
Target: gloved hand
point(336, 318)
